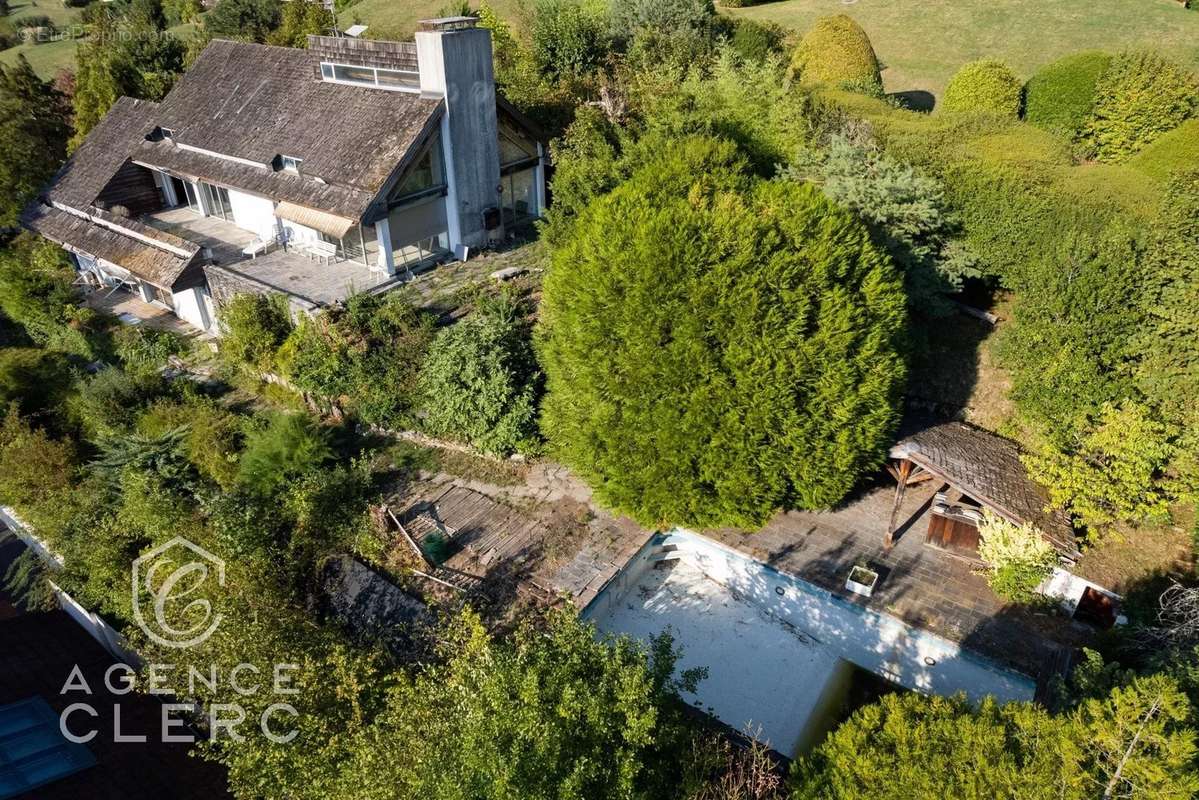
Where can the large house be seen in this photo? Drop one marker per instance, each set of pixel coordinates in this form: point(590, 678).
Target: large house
point(315, 173)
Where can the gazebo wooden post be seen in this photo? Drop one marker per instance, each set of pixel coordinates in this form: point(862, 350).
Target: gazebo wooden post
point(900, 472)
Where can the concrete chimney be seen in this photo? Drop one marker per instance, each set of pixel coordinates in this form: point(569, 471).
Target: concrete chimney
point(454, 58)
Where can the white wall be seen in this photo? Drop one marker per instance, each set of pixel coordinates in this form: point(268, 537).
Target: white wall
point(300, 233)
point(877, 642)
point(253, 213)
point(189, 306)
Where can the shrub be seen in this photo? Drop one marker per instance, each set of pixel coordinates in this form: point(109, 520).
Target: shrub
point(570, 37)
point(37, 292)
point(244, 19)
point(1176, 151)
point(1017, 557)
point(287, 446)
point(37, 380)
point(108, 402)
point(744, 356)
point(366, 355)
point(213, 434)
point(254, 326)
point(1061, 95)
point(904, 209)
point(986, 85)
point(756, 41)
point(1140, 96)
point(480, 383)
point(34, 21)
point(144, 350)
point(34, 468)
point(837, 51)
point(660, 16)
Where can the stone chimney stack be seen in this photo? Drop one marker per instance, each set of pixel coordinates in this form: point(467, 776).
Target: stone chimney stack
point(454, 58)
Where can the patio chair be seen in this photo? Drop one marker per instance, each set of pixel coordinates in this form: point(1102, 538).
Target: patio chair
point(258, 246)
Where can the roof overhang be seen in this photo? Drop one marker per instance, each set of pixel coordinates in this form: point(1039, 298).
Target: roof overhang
point(323, 221)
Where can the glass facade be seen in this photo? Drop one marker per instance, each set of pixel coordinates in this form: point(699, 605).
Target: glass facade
point(518, 201)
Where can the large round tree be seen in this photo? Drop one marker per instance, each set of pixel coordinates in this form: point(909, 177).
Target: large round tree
point(717, 345)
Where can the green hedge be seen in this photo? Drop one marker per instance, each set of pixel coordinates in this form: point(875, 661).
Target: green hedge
point(1175, 151)
point(1141, 96)
point(837, 51)
point(1061, 95)
point(986, 85)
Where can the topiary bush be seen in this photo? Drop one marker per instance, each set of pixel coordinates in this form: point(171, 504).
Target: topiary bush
point(837, 51)
point(1173, 152)
point(717, 345)
point(987, 85)
point(1061, 95)
point(1140, 96)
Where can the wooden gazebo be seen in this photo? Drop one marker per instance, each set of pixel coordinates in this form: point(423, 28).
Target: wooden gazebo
point(976, 469)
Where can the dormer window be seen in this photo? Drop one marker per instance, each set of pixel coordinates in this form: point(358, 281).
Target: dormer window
point(291, 163)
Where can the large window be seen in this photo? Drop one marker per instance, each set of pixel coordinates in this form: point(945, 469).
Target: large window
point(371, 76)
point(518, 200)
point(515, 147)
point(426, 174)
point(412, 254)
point(217, 200)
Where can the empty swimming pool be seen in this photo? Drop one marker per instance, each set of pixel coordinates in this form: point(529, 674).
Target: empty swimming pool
point(779, 650)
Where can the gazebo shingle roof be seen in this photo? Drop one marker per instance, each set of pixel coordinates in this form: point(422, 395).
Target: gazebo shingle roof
point(987, 467)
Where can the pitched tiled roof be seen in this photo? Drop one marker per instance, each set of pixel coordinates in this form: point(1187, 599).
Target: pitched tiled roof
point(255, 102)
point(987, 467)
point(152, 255)
point(102, 153)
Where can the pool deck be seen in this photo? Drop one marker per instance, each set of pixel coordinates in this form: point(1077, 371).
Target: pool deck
point(547, 536)
point(919, 584)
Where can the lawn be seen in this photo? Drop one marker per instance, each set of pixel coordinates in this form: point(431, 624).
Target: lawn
point(388, 19)
point(48, 58)
point(922, 43)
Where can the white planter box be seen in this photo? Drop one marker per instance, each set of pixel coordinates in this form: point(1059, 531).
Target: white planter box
point(861, 581)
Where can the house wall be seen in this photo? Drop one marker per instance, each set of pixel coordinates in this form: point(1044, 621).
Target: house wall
point(190, 307)
point(253, 213)
point(300, 233)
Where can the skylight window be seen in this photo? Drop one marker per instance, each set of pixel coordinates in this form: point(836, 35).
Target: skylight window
point(168, 133)
point(291, 163)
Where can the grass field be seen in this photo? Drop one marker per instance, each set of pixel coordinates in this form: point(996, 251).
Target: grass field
point(923, 42)
point(48, 58)
point(389, 19)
